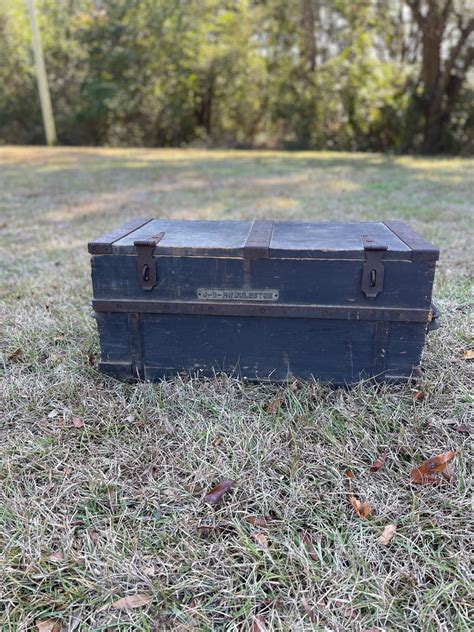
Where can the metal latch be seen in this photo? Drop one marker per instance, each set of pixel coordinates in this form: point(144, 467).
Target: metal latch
point(374, 269)
point(146, 265)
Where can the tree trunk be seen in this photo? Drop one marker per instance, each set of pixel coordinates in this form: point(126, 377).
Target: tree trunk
point(309, 13)
point(438, 99)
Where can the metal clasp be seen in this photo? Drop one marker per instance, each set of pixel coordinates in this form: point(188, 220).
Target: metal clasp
point(146, 265)
point(374, 270)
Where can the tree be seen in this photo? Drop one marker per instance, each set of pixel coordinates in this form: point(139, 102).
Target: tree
point(447, 54)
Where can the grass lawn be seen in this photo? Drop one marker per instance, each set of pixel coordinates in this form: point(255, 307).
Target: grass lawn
point(102, 483)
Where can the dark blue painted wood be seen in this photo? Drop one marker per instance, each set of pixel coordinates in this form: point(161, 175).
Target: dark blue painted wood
point(309, 264)
point(324, 282)
point(335, 351)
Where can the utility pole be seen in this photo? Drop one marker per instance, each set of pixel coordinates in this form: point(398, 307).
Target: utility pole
point(43, 88)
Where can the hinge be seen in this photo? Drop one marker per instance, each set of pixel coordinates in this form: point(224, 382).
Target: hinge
point(146, 265)
point(374, 269)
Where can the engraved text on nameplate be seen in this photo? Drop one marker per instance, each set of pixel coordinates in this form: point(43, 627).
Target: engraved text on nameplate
point(212, 294)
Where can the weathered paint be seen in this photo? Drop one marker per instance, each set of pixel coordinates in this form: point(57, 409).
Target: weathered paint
point(316, 269)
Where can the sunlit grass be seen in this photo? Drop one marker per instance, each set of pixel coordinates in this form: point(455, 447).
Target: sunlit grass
point(88, 515)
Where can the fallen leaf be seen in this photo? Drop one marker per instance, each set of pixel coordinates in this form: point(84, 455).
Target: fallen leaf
point(462, 428)
point(380, 462)
point(273, 406)
point(218, 441)
point(309, 546)
point(362, 509)
point(77, 422)
point(309, 611)
point(15, 355)
point(469, 355)
point(130, 419)
point(258, 624)
point(149, 571)
point(423, 474)
point(90, 358)
point(261, 539)
point(216, 493)
point(57, 556)
point(49, 625)
point(387, 534)
point(54, 413)
point(448, 474)
point(132, 601)
point(419, 395)
point(258, 521)
point(349, 474)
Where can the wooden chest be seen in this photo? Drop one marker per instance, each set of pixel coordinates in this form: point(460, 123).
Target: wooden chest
point(263, 300)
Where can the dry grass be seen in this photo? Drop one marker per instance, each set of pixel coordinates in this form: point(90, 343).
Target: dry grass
point(91, 514)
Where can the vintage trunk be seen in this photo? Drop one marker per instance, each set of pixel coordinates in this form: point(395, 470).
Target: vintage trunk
point(263, 300)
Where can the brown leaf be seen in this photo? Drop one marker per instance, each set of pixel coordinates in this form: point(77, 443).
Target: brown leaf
point(380, 462)
point(462, 428)
point(77, 422)
point(90, 358)
point(362, 509)
point(349, 474)
point(138, 600)
point(309, 611)
point(258, 521)
point(423, 474)
point(448, 474)
point(273, 406)
point(309, 546)
point(15, 355)
point(49, 625)
point(419, 395)
point(469, 354)
point(261, 539)
point(259, 624)
point(387, 534)
point(57, 556)
point(216, 493)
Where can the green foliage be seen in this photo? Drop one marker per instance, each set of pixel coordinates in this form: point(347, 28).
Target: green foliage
point(306, 74)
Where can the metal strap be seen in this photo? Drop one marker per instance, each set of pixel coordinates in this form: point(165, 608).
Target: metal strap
point(374, 270)
point(270, 310)
point(146, 265)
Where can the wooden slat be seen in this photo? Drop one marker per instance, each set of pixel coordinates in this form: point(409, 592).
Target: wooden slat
point(103, 244)
point(421, 249)
point(257, 244)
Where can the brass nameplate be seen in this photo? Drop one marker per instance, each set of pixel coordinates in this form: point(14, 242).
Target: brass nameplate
point(206, 294)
